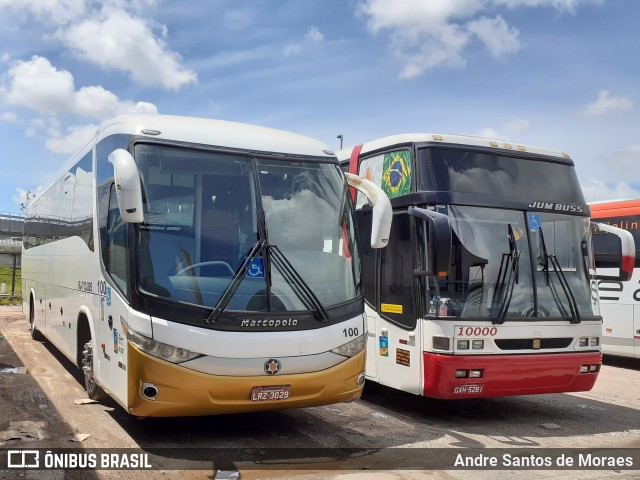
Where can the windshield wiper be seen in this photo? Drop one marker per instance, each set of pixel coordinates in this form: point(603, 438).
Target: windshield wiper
point(298, 284)
point(233, 286)
point(509, 265)
point(547, 257)
point(270, 253)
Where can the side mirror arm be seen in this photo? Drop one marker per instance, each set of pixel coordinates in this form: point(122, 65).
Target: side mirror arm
point(382, 212)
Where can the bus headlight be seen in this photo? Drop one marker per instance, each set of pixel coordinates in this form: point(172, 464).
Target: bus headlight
point(163, 351)
point(352, 348)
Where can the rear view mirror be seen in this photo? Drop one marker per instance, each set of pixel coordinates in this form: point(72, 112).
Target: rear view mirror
point(613, 248)
point(382, 212)
point(438, 242)
point(128, 188)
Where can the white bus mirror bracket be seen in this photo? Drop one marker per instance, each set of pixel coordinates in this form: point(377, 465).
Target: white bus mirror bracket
point(382, 212)
point(627, 247)
point(128, 188)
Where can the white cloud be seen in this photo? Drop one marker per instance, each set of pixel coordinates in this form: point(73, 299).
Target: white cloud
point(516, 126)
point(76, 138)
point(497, 36)
point(38, 85)
point(562, 5)
point(108, 34)
point(292, 49)
point(313, 36)
point(607, 104)
point(5, 57)
point(51, 11)
point(118, 41)
point(489, 132)
point(430, 33)
point(9, 117)
point(597, 190)
point(612, 175)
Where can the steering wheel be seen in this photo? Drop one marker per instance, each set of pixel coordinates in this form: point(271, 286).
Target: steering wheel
point(187, 269)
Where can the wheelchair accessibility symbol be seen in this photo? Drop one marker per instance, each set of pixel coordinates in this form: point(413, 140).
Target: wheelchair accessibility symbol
point(256, 270)
point(535, 223)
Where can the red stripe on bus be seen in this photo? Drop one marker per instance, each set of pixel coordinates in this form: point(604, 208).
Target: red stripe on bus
point(353, 165)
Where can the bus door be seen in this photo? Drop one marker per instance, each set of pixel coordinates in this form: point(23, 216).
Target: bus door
point(398, 349)
point(111, 342)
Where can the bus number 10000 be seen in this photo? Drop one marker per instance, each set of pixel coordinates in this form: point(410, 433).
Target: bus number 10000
point(477, 331)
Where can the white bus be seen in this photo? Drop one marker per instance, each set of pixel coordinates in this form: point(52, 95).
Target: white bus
point(488, 285)
point(620, 302)
point(193, 267)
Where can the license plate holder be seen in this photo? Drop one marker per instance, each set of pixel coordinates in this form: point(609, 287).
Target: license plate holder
point(468, 389)
point(271, 393)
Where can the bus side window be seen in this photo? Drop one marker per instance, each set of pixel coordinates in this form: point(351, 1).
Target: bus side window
point(607, 253)
point(113, 237)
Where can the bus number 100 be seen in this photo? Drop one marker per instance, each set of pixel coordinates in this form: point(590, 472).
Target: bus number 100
point(477, 331)
point(350, 332)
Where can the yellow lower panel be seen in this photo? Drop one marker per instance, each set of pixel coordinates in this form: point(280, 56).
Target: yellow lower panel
point(184, 392)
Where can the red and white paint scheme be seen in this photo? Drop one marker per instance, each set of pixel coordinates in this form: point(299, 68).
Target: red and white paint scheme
point(488, 286)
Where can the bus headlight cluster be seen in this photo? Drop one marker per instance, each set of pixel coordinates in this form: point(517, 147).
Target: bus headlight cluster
point(441, 343)
point(163, 351)
point(463, 373)
point(464, 344)
point(352, 348)
point(589, 368)
point(589, 341)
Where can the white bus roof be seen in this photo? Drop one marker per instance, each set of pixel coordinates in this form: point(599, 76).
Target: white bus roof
point(449, 139)
point(221, 133)
point(205, 131)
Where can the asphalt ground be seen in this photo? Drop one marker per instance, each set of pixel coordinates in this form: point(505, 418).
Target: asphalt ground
point(384, 435)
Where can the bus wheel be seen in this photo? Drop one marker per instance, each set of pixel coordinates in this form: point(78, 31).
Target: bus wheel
point(35, 334)
point(93, 390)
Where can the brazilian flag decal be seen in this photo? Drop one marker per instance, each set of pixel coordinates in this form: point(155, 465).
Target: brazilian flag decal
point(396, 176)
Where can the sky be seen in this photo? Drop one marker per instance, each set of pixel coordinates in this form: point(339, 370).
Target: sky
point(560, 74)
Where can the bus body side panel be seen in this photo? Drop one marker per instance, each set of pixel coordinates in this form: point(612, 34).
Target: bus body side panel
point(620, 309)
point(620, 301)
point(506, 375)
point(372, 344)
point(618, 329)
point(112, 353)
point(636, 326)
point(396, 355)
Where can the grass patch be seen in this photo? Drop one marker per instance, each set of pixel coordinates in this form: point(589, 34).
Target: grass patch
point(6, 277)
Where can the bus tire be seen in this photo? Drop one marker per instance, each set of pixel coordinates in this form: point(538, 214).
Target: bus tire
point(94, 392)
point(35, 334)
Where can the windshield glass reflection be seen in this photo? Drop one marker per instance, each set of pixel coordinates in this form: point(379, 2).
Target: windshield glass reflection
point(202, 218)
point(492, 272)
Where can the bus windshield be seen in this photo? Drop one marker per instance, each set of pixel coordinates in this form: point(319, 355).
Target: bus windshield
point(206, 211)
point(509, 265)
point(468, 171)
